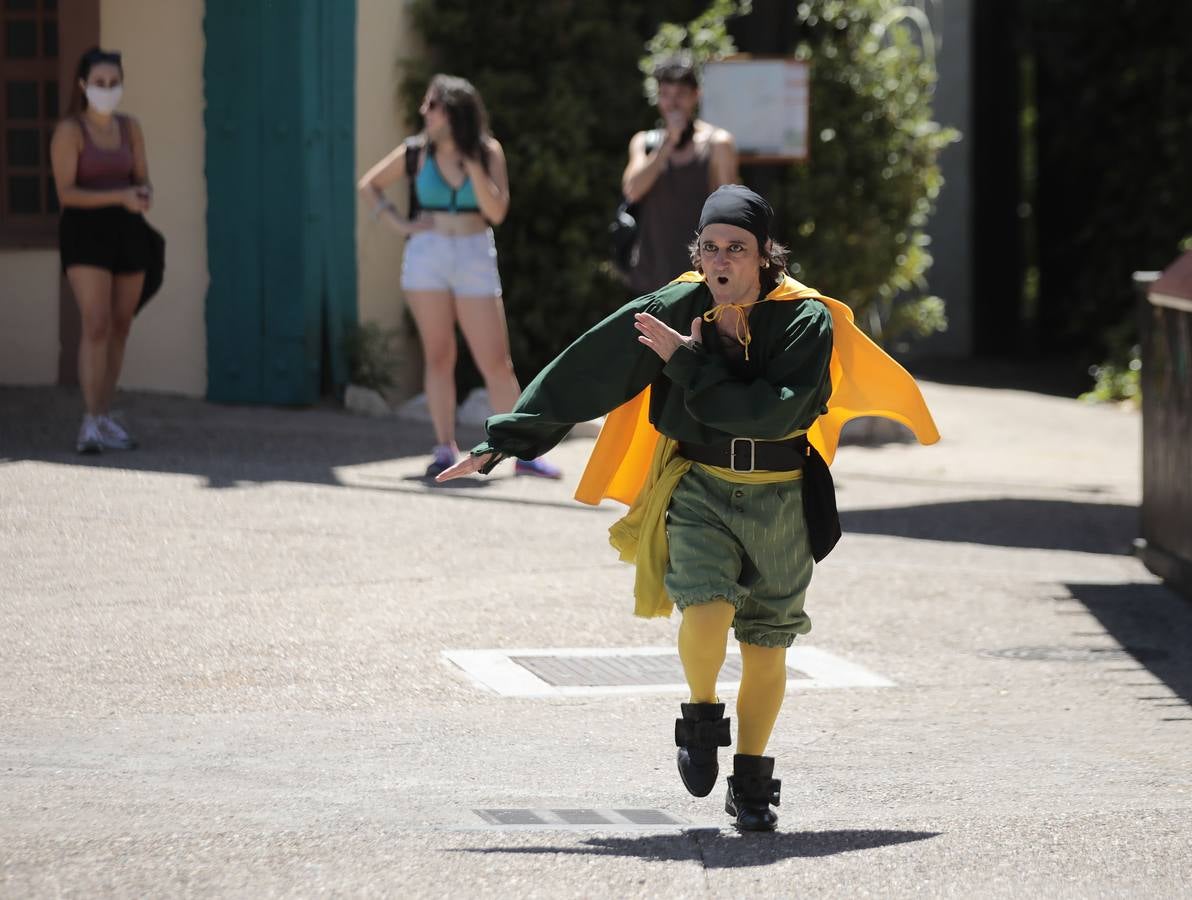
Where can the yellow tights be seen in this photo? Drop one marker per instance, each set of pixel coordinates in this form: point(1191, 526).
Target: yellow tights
point(703, 636)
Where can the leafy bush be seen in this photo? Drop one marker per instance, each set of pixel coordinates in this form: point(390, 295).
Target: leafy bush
point(853, 214)
point(1119, 376)
point(372, 359)
point(1116, 382)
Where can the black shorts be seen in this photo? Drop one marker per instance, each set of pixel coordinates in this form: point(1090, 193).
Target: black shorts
point(110, 237)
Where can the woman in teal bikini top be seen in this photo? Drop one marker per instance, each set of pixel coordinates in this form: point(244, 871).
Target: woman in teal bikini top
point(449, 275)
point(436, 195)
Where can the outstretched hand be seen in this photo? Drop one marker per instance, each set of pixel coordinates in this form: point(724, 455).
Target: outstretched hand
point(469, 465)
point(663, 339)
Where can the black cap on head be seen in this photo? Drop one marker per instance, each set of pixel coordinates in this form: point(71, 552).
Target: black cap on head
point(735, 204)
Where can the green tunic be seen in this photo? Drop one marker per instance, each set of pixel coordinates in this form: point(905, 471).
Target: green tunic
point(700, 396)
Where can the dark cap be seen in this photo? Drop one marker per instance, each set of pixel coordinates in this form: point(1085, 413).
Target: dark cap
point(735, 204)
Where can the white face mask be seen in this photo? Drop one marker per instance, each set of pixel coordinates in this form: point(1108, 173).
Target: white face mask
point(103, 99)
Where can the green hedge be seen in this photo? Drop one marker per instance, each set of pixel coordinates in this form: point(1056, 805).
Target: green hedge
point(863, 201)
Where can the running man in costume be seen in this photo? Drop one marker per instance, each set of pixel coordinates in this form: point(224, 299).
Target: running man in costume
point(725, 393)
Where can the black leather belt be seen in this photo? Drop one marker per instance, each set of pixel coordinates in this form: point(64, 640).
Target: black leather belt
point(748, 455)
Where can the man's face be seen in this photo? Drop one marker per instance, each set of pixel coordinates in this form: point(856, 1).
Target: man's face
point(731, 262)
point(675, 99)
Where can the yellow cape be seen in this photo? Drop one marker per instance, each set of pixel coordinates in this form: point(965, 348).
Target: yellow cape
point(865, 382)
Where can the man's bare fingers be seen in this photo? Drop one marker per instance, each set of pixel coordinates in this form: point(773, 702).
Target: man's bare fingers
point(469, 465)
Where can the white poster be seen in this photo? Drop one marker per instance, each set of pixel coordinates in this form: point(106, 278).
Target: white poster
point(763, 102)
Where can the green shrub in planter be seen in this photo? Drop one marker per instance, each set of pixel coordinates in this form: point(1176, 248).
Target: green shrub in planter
point(372, 358)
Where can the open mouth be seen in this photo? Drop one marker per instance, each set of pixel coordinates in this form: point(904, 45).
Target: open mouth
point(722, 279)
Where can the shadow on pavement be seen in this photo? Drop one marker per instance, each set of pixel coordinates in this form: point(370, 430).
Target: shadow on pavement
point(1154, 625)
point(723, 850)
point(234, 446)
point(226, 445)
point(470, 489)
point(1043, 524)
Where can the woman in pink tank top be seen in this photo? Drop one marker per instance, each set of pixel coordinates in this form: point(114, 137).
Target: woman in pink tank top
point(103, 187)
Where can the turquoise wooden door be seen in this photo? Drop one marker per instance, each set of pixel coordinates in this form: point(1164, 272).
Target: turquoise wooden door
point(281, 203)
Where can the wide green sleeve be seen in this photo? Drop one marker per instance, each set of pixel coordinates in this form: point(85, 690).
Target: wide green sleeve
point(789, 394)
point(600, 370)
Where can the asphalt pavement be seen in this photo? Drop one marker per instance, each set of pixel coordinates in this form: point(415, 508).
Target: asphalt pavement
point(233, 663)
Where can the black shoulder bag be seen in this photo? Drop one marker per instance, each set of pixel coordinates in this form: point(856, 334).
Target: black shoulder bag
point(155, 271)
point(413, 151)
point(622, 231)
point(819, 505)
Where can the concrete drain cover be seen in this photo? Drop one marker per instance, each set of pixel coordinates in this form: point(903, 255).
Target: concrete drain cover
point(1079, 654)
point(636, 670)
point(608, 819)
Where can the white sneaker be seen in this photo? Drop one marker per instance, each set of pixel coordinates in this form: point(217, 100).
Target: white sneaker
point(112, 434)
point(90, 440)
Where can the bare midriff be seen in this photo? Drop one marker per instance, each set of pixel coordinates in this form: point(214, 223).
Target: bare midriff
point(458, 224)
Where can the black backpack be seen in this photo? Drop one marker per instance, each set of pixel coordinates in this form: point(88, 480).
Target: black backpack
point(413, 152)
point(622, 231)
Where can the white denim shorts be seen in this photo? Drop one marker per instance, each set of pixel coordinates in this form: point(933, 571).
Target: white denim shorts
point(465, 265)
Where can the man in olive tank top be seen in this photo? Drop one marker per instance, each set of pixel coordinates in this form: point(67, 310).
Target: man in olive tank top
point(670, 173)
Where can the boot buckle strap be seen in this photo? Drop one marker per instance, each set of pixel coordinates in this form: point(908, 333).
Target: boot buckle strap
point(706, 734)
point(754, 790)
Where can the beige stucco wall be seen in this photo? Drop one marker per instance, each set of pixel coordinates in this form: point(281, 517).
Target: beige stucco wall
point(163, 48)
point(383, 36)
point(28, 316)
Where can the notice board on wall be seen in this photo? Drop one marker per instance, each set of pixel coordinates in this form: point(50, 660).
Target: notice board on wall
point(763, 102)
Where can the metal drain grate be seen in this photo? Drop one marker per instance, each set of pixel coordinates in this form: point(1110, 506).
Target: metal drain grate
point(579, 818)
point(591, 671)
point(596, 671)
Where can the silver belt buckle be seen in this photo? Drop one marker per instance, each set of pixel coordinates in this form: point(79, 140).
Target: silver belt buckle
point(732, 454)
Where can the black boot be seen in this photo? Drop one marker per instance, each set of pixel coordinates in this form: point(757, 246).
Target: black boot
point(751, 792)
point(702, 729)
